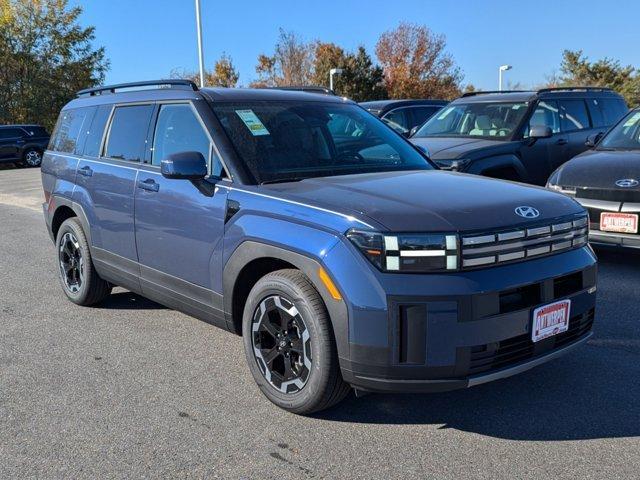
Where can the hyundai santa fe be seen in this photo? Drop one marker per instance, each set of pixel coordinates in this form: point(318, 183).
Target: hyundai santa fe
point(340, 253)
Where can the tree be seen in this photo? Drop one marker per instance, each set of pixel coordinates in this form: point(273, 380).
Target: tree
point(577, 70)
point(290, 64)
point(46, 58)
point(416, 64)
point(224, 74)
point(360, 79)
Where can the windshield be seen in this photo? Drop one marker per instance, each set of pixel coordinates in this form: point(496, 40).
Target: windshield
point(294, 140)
point(491, 120)
point(625, 135)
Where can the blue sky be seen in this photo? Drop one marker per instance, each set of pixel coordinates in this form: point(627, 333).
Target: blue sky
point(146, 39)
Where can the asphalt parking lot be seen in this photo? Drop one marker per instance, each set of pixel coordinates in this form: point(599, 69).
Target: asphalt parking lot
point(132, 389)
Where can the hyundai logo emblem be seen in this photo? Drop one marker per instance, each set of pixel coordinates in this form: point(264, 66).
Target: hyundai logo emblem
point(627, 182)
point(527, 212)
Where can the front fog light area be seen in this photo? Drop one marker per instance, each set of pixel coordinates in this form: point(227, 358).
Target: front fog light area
point(408, 252)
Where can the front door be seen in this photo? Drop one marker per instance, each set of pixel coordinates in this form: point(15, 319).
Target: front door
point(10, 140)
point(541, 157)
point(179, 227)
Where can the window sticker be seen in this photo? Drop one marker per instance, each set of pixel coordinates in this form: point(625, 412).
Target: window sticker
point(252, 122)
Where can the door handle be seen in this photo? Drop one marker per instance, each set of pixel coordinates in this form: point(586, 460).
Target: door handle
point(149, 184)
point(562, 141)
point(86, 171)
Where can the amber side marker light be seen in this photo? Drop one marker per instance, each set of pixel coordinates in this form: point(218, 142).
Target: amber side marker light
point(328, 283)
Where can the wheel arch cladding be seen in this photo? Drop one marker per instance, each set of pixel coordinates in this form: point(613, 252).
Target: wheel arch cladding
point(252, 260)
point(65, 209)
point(61, 214)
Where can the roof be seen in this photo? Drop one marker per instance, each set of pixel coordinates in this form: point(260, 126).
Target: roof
point(264, 94)
point(528, 95)
point(389, 104)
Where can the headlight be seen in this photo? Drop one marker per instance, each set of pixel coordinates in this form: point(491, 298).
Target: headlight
point(561, 189)
point(408, 252)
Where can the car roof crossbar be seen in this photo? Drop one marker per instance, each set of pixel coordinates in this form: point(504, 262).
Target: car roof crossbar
point(170, 83)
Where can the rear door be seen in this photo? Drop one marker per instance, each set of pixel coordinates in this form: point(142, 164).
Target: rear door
point(11, 140)
point(106, 179)
point(179, 223)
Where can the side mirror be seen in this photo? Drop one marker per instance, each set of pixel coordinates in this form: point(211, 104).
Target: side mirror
point(413, 131)
point(540, 131)
point(593, 139)
point(184, 166)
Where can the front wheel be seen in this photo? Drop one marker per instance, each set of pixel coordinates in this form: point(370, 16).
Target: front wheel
point(289, 344)
point(80, 281)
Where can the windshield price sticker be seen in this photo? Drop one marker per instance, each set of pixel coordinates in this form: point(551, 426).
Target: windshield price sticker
point(252, 122)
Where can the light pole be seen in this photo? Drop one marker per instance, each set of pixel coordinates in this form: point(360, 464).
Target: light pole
point(200, 52)
point(332, 72)
point(503, 68)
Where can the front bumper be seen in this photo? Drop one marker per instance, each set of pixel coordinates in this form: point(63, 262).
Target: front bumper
point(450, 331)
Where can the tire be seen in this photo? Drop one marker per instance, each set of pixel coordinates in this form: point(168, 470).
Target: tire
point(32, 157)
point(312, 350)
point(78, 277)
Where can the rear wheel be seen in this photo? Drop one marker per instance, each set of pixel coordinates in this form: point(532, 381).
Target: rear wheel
point(78, 277)
point(289, 344)
point(32, 158)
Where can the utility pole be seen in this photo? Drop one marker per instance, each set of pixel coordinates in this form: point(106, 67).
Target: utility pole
point(332, 72)
point(200, 52)
point(503, 68)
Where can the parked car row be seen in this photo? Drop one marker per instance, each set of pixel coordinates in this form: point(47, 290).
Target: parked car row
point(336, 248)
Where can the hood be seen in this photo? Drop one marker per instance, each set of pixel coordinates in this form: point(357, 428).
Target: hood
point(599, 169)
point(449, 148)
point(429, 200)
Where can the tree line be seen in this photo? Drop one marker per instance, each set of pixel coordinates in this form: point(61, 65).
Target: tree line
point(47, 56)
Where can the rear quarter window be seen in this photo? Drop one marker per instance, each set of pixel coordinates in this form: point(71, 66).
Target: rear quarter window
point(613, 109)
point(67, 136)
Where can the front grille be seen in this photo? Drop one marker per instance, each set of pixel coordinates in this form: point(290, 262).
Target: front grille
point(537, 240)
point(517, 349)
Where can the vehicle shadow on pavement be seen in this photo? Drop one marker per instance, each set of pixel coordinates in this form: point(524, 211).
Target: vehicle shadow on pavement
point(592, 392)
point(129, 301)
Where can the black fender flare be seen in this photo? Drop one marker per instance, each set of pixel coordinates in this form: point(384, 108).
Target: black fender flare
point(480, 166)
point(250, 250)
point(60, 201)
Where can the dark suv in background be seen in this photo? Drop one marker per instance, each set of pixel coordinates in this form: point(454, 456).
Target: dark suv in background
point(404, 115)
point(521, 136)
point(339, 252)
point(22, 144)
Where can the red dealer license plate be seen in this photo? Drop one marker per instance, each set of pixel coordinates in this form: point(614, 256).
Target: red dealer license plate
point(550, 320)
point(619, 222)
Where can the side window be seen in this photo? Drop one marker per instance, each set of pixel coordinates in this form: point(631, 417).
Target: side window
point(68, 128)
point(96, 131)
point(399, 117)
point(178, 130)
point(6, 133)
point(128, 132)
point(612, 110)
point(422, 114)
point(545, 115)
point(573, 115)
point(595, 110)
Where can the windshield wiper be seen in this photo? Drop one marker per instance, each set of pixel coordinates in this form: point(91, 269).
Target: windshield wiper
point(282, 180)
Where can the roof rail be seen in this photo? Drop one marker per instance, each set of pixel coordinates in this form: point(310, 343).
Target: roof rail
point(578, 89)
point(486, 92)
point(170, 83)
point(306, 88)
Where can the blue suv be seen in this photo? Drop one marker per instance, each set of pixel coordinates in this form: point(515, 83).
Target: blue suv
point(339, 252)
